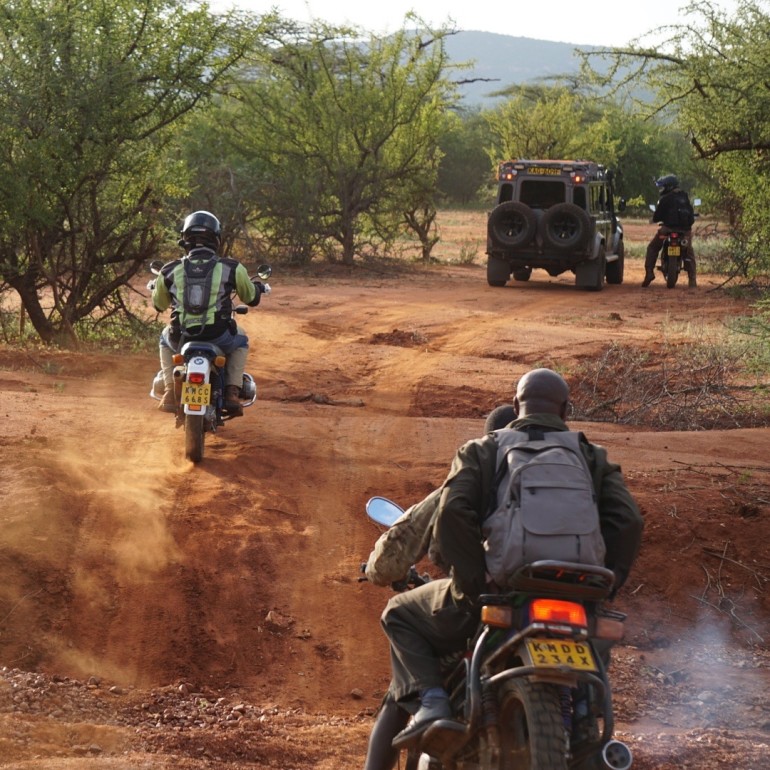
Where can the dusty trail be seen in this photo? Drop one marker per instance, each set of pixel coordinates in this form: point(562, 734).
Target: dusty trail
point(237, 579)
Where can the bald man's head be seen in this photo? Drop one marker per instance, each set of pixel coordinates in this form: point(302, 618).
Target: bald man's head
point(542, 391)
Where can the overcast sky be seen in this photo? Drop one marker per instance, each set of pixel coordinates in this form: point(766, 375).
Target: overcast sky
point(590, 22)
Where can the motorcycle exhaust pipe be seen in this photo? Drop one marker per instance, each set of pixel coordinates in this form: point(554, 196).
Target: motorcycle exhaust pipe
point(616, 755)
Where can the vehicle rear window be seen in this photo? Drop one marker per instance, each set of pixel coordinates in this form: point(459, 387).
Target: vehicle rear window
point(541, 194)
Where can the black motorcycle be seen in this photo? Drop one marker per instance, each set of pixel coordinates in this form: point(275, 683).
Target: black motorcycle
point(674, 254)
point(531, 692)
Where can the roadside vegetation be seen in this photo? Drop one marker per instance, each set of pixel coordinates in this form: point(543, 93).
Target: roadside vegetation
point(316, 143)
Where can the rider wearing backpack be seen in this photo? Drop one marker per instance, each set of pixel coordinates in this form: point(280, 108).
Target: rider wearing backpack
point(199, 288)
point(438, 618)
point(674, 212)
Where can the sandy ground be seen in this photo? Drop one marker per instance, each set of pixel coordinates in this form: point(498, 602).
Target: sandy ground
point(156, 614)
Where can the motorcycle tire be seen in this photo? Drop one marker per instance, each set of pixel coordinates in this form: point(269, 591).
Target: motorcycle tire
point(194, 432)
point(672, 273)
point(532, 732)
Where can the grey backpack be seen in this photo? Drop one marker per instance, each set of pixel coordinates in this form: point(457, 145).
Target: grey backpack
point(545, 506)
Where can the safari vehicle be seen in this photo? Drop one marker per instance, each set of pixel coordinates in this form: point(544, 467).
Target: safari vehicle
point(557, 215)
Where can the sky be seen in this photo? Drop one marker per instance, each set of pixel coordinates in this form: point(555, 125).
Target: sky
point(590, 22)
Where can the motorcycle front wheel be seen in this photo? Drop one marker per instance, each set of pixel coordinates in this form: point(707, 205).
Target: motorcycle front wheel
point(193, 437)
point(532, 732)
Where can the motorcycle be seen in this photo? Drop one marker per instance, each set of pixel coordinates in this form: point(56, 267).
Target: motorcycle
point(199, 383)
point(531, 692)
point(674, 252)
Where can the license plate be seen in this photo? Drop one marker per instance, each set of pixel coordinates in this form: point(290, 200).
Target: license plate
point(196, 395)
point(674, 251)
point(561, 652)
point(544, 171)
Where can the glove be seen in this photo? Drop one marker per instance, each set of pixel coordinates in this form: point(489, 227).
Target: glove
point(151, 285)
point(259, 286)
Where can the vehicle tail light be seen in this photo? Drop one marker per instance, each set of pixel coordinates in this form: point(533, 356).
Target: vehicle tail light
point(557, 611)
point(196, 378)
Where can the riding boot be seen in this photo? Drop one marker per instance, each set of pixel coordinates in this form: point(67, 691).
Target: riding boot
point(233, 405)
point(168, 402)
point(391, 719)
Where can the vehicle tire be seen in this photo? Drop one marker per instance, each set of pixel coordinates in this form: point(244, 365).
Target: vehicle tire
point(672, 272)
point(599, 271)
point(532, 732)
point(566, 227)
point(614, 270)
point(512, 225)
point(498, 271)
point(194, 433)
point(522, 273)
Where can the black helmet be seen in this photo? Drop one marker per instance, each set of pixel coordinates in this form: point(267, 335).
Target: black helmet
point(201, 228)
point(666, 183)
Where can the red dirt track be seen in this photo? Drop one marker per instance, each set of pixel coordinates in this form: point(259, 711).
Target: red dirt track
point(156, 614)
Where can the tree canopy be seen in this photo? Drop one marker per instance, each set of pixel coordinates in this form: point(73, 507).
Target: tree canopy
point(89, 94)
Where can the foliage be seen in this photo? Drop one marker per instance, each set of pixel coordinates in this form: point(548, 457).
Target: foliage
point(341, 135)
point(89, 95)
point(709, 78)
point(465, 173)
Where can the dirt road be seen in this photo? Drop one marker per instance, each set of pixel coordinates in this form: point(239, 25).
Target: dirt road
point(159, 614)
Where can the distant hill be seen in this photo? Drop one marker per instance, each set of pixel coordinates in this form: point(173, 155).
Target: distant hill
point(504, 60)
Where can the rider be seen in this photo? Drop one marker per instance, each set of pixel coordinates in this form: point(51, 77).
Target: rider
point(674, 212)
point(199, 287)
point(403, 544)
point(439, 617)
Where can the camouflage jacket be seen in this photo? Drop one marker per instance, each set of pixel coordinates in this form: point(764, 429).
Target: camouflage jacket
point(404, 543)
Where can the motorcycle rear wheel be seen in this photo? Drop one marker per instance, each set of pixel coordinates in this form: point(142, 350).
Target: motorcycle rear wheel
point(193, 437)
point(532, 732)
point(672, 272)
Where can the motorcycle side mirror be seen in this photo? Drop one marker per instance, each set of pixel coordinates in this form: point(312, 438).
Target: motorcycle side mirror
point(652, 207)
point(264, 272)
point(155, 266)
point(383, 511)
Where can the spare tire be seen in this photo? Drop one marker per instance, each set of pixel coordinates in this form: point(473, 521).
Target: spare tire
point(512, 225)
point(566, 227)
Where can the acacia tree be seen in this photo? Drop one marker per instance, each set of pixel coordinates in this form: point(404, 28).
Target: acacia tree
point(339, 128)
point(89, 95)
point(709, 78)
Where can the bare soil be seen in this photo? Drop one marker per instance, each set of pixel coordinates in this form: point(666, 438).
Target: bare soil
point(156, 614)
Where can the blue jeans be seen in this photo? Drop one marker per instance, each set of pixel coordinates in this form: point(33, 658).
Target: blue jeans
point(227, 342)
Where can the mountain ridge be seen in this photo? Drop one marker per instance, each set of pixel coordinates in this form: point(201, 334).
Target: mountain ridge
point(499, 61)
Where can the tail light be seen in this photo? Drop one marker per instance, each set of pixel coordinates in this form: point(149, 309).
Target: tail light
point(196, 378)
point(557, 611)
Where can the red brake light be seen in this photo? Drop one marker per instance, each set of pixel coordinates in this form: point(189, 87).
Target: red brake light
point(558, 611)
point(196, 378)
